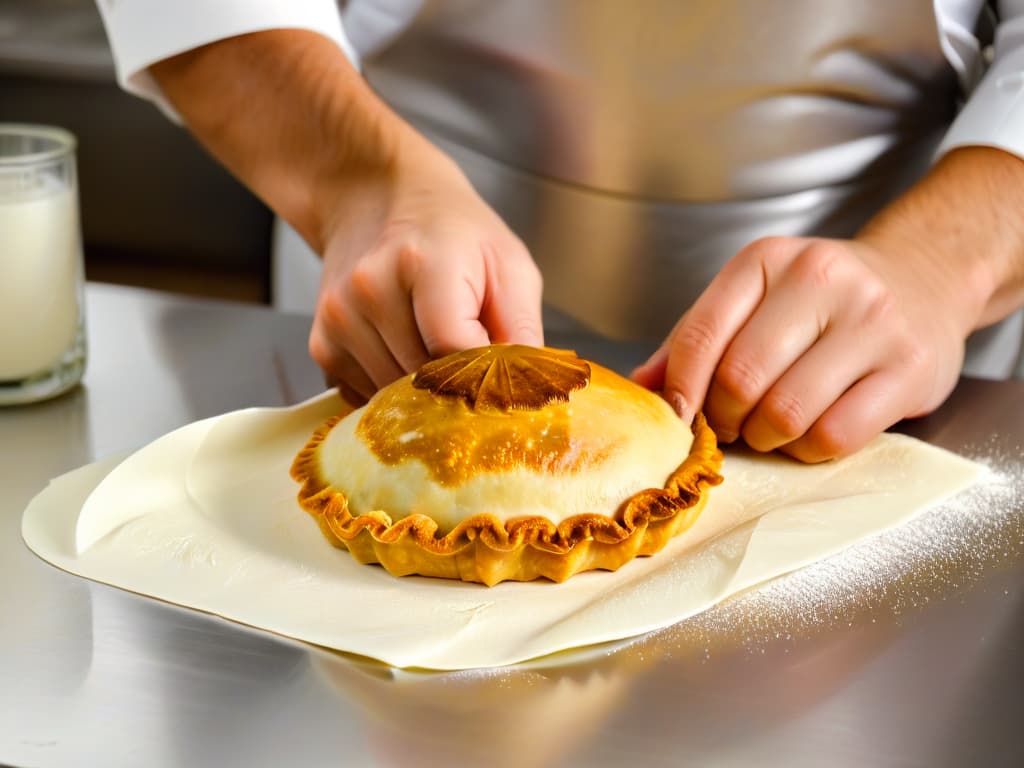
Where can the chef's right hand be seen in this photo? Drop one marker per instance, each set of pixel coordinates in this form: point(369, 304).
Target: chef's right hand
point(415, 263)
point(422, 269)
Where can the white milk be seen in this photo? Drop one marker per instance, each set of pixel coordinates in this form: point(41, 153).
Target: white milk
point(40, 255)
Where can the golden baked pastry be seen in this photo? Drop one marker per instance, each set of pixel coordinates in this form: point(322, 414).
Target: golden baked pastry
point(507, 463)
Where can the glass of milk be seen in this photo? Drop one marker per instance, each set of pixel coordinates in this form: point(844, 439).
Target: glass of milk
point(42, 339)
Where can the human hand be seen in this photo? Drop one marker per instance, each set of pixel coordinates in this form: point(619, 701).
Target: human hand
point(415, 264)
point(814, 346)
point(429, 271)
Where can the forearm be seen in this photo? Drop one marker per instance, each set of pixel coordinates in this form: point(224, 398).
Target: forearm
point(962, 231)
point(415, 264)
point(285, 111)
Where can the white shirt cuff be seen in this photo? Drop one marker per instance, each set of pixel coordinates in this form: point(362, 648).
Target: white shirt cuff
point(143, 32)
point(994, 114)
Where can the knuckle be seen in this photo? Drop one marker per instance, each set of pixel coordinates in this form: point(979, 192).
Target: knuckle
point(740, 379)
point(409, 260)
point(882, 307)
point(819, 264)
point(919, 361)
point(769, 249)
point(913, 359)
point(829, 439)
point(364, 284)
point(334, 312)
point(695, 337)
point(873, 289)
point(918, 355)
point(524, 326)
point(785, 414)
point(909, 351)
point(324, 353)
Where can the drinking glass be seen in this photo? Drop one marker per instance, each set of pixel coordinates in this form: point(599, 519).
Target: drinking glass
point(42, 337)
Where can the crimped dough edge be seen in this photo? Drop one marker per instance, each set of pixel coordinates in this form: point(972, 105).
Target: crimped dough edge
point(484, 549)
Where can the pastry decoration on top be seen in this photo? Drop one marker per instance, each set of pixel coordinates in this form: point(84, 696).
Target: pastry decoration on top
point(507, 462)
point(505, 376)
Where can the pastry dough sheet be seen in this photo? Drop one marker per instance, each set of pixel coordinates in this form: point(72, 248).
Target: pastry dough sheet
point(206, 517)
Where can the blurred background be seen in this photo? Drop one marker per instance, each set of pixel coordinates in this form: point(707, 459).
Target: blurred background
point(156, 211)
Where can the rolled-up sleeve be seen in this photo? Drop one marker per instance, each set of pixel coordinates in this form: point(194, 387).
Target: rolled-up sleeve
point(143, 32)
point(994, 112)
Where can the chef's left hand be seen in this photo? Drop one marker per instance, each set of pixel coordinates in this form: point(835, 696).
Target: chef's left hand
point(811, 346)
point(814, 346)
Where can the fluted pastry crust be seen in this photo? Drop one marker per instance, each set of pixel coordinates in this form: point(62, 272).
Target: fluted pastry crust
point(485, 548)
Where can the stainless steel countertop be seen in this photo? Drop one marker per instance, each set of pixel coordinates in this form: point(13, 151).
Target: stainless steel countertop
point(926, 671)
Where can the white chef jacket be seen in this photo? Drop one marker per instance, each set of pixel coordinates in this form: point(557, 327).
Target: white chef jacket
point(143, 32)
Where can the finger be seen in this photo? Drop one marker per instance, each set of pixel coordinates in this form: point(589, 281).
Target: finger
point(403, 339)
point(699, 340)
point(511, 310)
point(388, 306)
point(370, 351)
point(787, 323)
point(446, 304)
point(805, 392)
point(339, 367)
point(651, 374)
point(348, 394)
point(871, 406)
point(339, 330)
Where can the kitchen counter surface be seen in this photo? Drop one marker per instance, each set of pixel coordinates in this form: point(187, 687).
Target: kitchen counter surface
point(919, 662)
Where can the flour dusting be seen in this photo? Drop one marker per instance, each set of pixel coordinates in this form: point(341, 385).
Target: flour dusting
point(938, 554)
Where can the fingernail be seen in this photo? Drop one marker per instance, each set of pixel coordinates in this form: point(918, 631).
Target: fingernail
point(680, 406)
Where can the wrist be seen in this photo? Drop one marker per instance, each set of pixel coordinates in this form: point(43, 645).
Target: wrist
point(286, 112)
point(955, 290)
point(960, 234)
point(357, 192)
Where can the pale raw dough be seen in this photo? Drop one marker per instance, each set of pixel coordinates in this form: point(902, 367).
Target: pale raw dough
point(207, 517)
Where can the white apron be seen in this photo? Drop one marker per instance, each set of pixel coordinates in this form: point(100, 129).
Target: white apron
point(636, 146)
